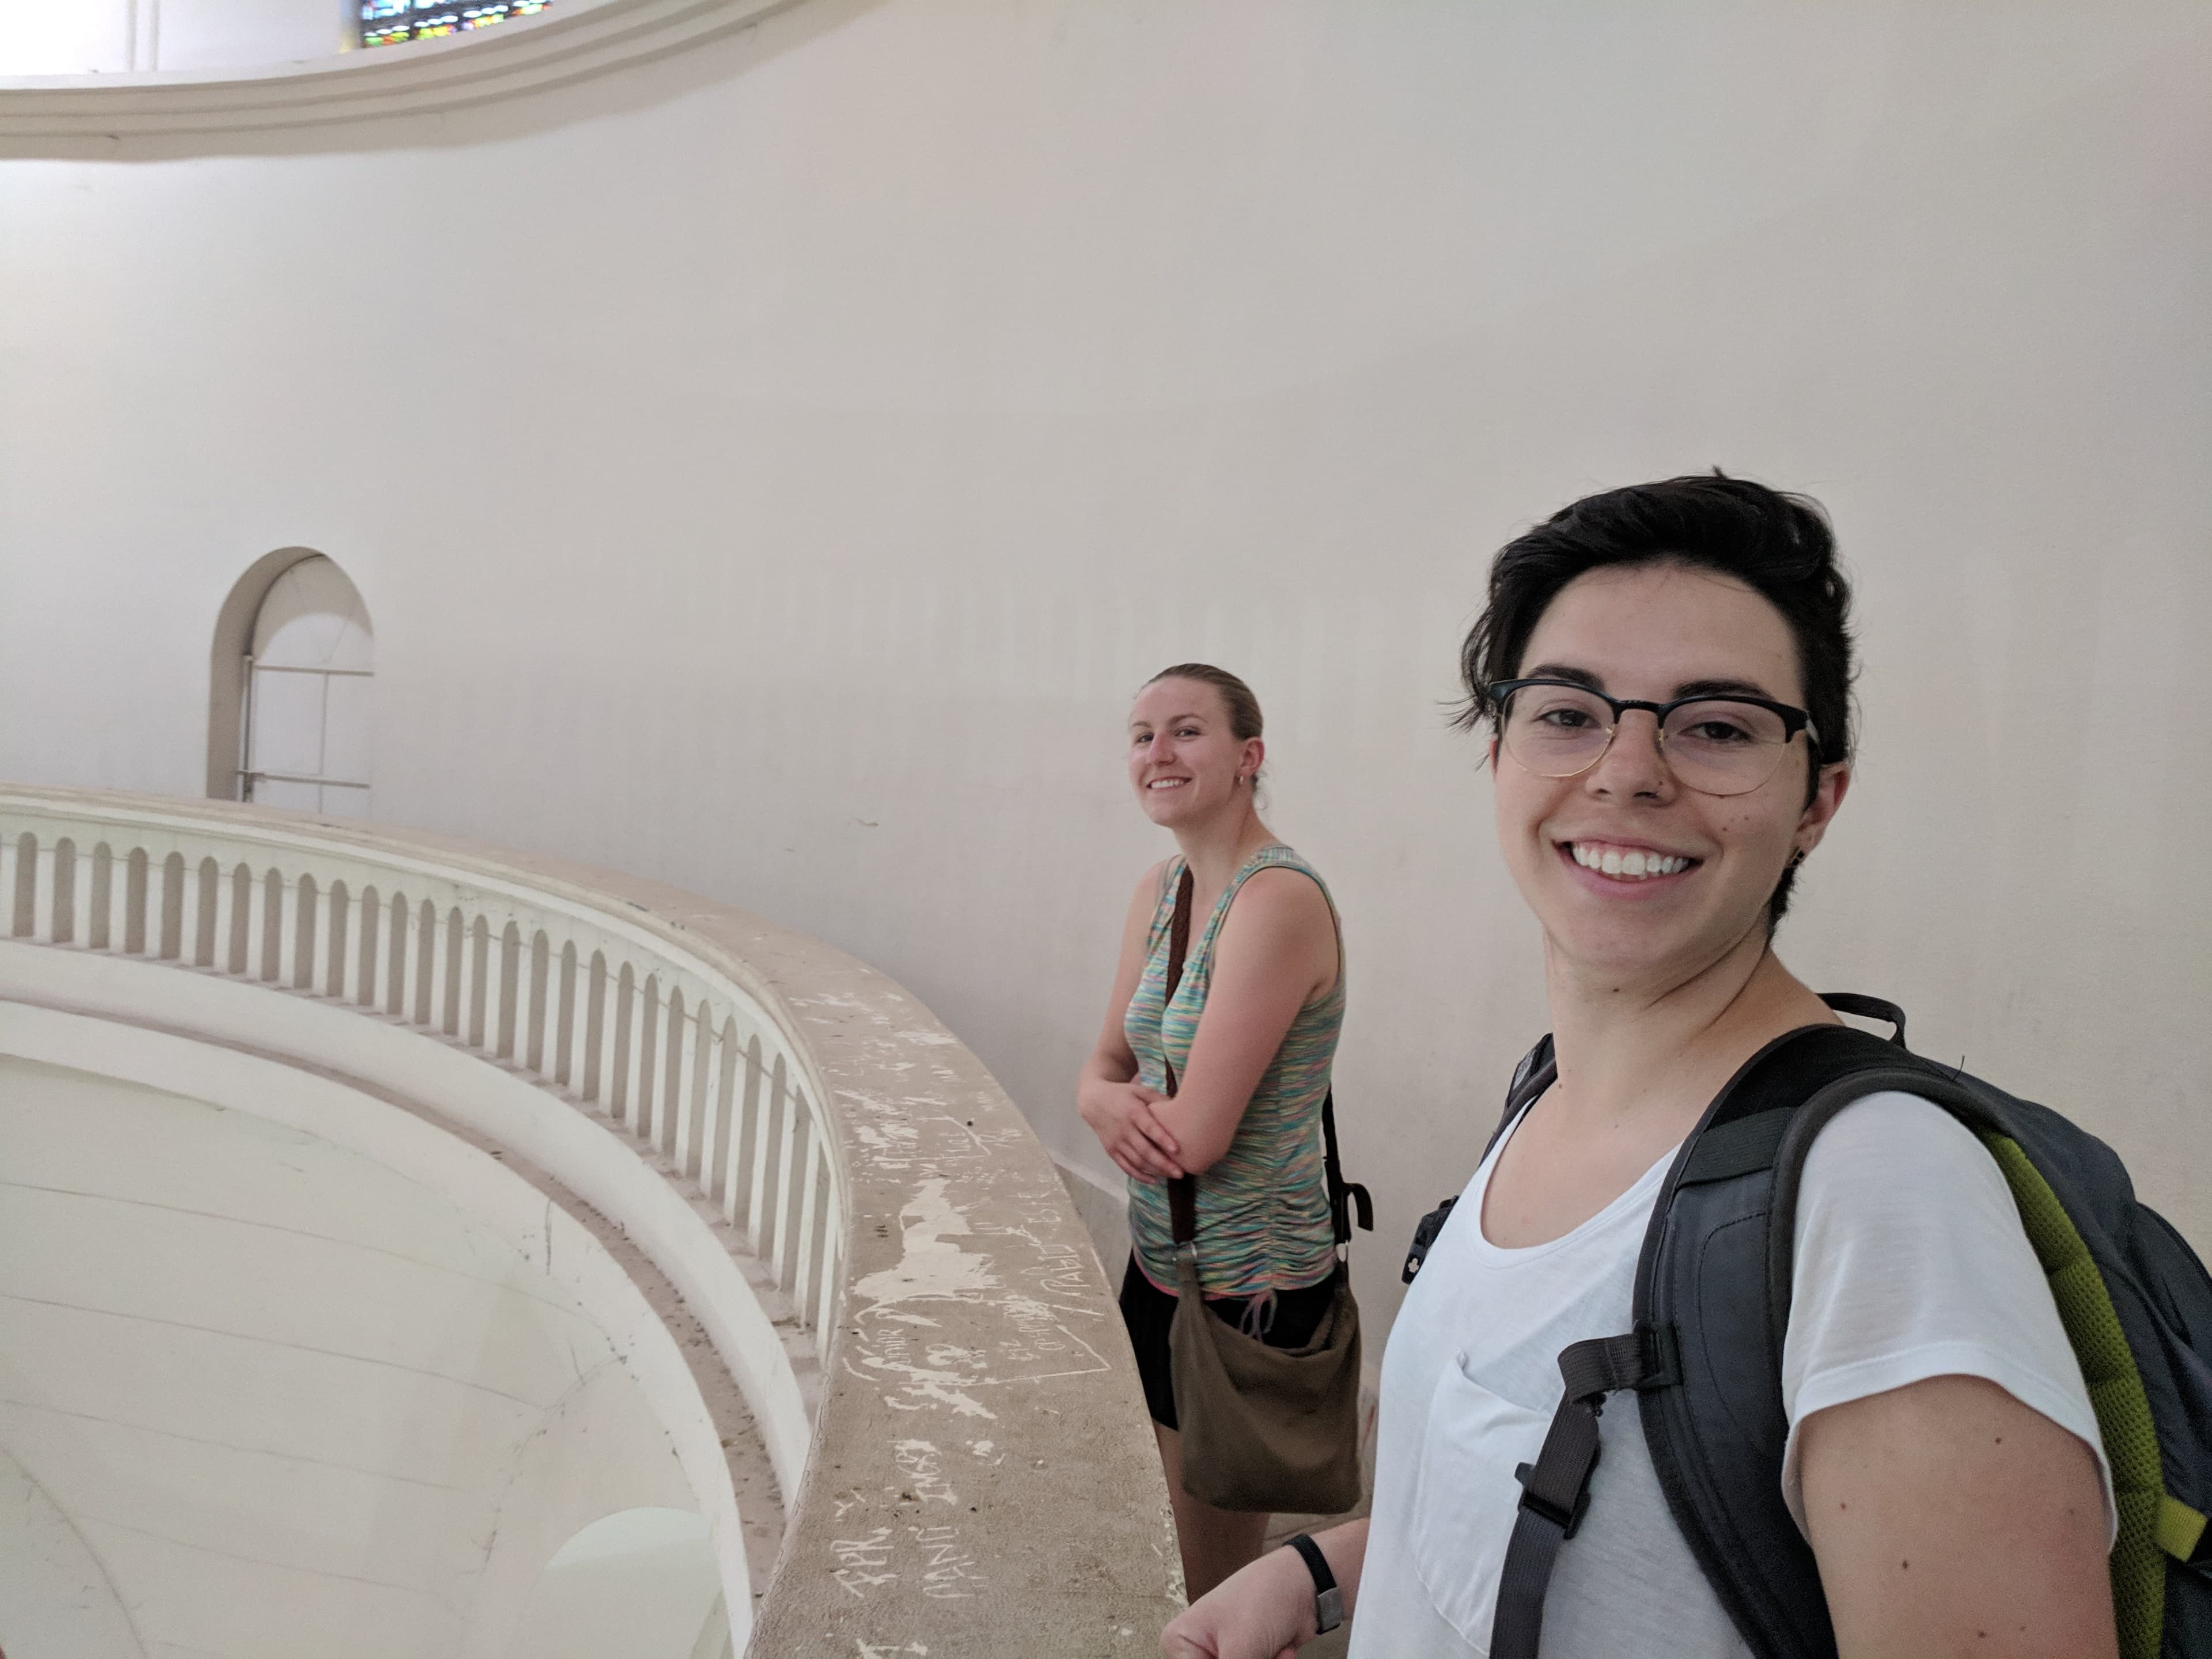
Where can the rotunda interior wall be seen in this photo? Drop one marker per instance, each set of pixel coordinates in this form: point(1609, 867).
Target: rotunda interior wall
point(772, 470)
point(279, 1392)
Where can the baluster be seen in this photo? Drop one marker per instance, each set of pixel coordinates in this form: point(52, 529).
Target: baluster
point(645, 1034)
point(258, 964)
point(622, 1022)
point(114, 937)
point(78, 908)
point(491, 972)
point(668, 1095)
point(677, 1071)
point(368, 954)
point(764, 1126)
point(368, 918)
point(11, 862)
point(833, 1254)
point(295, 904)
point(182, 879)
point(495, 992)
point(786, 1179)
point(809, 1204)
point(457, 973)
point(715, 1073)
point(511, 1000)
point(691, 1087)
point(42, 893)
point(444, 950)
point(739, 1191)
point(337, 932)
point(96, 878)
point(469, 975)
point(394, 1001)
point(221, 952)
point(141, 926)
point(599, 1033)
point(568, 1026)
point(99, 900)
point(530, 1044)
point(426, 953)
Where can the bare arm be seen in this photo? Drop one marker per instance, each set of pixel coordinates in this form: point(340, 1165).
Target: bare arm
point(1276, 951)
point(1119, 1109)
point(1949, 1519)
point(1265, 1610)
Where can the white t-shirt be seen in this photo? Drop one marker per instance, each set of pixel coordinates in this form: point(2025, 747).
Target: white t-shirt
point(1910, 1263)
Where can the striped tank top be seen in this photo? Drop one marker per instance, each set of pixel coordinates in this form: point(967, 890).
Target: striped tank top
point(1263, 1220)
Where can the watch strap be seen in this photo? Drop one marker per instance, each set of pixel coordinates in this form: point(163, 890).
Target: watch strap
point(1328, 1598)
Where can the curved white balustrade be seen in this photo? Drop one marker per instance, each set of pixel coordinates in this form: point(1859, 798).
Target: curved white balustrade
point(609, 1009)
point(953, 1425)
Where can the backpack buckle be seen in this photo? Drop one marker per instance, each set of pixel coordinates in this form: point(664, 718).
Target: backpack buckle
point(1568, 1520)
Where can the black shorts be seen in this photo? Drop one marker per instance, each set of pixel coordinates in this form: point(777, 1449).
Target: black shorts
point(1149, 1312)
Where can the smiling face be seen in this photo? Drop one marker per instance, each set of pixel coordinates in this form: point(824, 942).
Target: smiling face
point(1185, 761)
point(1636, 878)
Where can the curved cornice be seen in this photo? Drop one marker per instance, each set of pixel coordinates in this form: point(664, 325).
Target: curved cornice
point(423, 77)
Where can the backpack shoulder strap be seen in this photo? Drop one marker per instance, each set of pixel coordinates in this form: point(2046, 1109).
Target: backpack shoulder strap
point(1715, 1273)
point(1531, 1078)
point(1538, 1070)
point(1704, 1357)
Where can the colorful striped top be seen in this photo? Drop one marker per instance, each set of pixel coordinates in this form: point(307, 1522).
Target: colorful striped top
point(1263, 1221)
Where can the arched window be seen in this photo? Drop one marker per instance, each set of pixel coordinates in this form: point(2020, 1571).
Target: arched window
point(388, 23)
point(295, 664)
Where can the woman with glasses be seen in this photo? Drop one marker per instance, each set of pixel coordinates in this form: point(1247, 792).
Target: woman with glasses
point(1221, 1076)
point(1664, 673)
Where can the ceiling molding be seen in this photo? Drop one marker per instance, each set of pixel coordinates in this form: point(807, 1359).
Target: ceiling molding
point(421, 78)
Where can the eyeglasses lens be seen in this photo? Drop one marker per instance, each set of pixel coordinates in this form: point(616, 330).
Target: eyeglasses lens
point(1714, 745)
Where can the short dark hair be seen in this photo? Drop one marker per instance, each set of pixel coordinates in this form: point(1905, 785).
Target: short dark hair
point(1779, 546)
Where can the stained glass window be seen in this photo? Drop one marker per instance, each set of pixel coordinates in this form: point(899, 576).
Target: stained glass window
point(388, 23)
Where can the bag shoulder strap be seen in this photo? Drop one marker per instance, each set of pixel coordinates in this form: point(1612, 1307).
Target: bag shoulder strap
point(1343, 1196)
point(1183, 1191)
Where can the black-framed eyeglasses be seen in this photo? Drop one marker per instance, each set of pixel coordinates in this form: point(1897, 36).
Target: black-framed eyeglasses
point(1717, 745)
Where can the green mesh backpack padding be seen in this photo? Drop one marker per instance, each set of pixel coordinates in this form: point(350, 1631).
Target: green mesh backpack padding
point(2116, 1391)
point(1712, 1305)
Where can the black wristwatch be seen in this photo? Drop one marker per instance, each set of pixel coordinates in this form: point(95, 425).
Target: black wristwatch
point(1328, 1600)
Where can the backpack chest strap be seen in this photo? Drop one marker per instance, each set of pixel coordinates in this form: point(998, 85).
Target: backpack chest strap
point(1555, 1488)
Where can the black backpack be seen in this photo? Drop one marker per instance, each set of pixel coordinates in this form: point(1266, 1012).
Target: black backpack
point(1713, 1303)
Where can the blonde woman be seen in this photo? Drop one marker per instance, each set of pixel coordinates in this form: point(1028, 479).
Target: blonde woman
point(1247, 1038)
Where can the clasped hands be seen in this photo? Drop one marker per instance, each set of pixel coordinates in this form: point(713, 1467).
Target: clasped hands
point(1121, 1114)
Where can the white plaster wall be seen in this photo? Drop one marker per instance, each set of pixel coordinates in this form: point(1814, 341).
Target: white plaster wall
point(773, 470)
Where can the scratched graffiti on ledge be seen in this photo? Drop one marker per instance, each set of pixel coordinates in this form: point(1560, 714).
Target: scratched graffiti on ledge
point(911, 1324)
